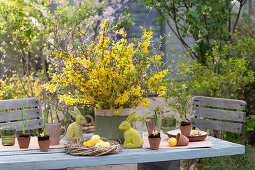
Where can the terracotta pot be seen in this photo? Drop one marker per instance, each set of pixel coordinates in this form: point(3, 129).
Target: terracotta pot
point(182, 140)
point(23, 141)
point(154, 143)
point(54, 131)
point(44, 145)
point(185, 130)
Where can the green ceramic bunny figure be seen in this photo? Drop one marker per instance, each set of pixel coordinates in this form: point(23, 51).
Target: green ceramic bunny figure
point(131, 136)
point(74, 131)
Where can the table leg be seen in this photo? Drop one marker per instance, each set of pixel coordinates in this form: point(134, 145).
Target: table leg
point(165, 165)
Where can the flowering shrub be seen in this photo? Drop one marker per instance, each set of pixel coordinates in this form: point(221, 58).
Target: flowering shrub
point(20, 87)
point(110, 73)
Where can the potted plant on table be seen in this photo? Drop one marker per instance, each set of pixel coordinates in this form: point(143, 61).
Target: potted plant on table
point(178, 97)
point(154, 138)
point(43, 139)
point(24, 138)
point(111, 75)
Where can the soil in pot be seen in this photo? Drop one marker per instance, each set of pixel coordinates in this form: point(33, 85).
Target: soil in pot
point(44, 143)
point(185, 127)
point(154, 141)
point(23, 140)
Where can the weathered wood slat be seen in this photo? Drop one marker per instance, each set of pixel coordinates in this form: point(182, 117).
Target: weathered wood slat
point(17, 114)
point(219, 102)
point(217, 125)
point(19, 103)
point(31, 124)
point(219, 114)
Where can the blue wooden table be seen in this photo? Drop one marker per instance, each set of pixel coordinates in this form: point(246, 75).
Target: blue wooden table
point(56, 158)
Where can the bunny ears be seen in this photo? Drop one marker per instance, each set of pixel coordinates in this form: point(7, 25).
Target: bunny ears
point(132, 118)
point(75, 113)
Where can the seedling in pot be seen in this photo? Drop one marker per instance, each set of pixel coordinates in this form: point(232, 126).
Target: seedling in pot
point(24, 138)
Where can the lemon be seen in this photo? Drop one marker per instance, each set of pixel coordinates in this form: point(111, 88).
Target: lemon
point(88, 143)
point(106, 144)
point(172, 142)
point(95, 139)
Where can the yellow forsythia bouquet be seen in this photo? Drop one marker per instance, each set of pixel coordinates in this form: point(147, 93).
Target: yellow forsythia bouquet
point(109, 73)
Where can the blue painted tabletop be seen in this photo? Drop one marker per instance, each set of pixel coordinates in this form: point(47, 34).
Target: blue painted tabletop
point(57, 158)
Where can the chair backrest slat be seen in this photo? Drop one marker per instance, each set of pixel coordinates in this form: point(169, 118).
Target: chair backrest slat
point(219, 102)
point(17, 114)
point(219, 114)
point(19, 103)
point(217, 125)
point(31, 124)
point(10, 110)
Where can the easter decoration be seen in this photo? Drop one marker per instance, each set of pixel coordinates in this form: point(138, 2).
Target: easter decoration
point(131, 136)
point(74, 130)
point(95, 146)
point(154, 138)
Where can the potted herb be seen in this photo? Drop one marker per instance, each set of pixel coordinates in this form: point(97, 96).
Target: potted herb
point(154, 138)
point(178, 97)
point(44, 140)
point(24, 138)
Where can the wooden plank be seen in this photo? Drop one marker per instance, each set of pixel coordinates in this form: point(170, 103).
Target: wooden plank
point(219, 114)
point(31, 124)
point(17, 115)
point(219, 102)
point(50, 160)
point(19, 103)
point(217, 125)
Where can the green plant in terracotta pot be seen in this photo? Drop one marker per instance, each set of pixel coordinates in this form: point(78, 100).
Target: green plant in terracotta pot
point(43, 139)
point(24, 138)
point(111, 75)
point(178, 97)
point(154, 138)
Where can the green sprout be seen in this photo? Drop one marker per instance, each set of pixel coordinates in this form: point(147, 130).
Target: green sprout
point(24, 120)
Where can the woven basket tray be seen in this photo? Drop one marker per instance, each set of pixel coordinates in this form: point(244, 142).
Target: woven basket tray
point(75, 147)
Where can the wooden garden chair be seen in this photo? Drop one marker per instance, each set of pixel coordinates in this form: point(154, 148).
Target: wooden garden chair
point(11, 116)
point(219, 114)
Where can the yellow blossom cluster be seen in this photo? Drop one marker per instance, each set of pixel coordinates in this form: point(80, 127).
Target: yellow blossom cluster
point(110, 73)
point(18, 86)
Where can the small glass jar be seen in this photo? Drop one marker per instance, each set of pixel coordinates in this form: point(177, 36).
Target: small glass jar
point(8, 135)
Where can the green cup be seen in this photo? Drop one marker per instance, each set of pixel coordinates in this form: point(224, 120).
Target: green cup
point(8, 135)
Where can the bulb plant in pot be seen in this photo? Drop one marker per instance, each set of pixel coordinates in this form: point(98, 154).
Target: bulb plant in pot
point(24, 138)
point(43, 139)
point(178, 97)
point(154, 138)
point(111, 75)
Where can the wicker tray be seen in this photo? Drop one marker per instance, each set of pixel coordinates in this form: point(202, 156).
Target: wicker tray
point(76, 148)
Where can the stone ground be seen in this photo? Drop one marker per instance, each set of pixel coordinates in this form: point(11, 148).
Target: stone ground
point(140, 126)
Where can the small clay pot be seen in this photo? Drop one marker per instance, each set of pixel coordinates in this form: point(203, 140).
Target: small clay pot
point(44, 143)
point(182, 140)
point(23, 140)
point(185, 127)
point(154, 143)
point(185, 130)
